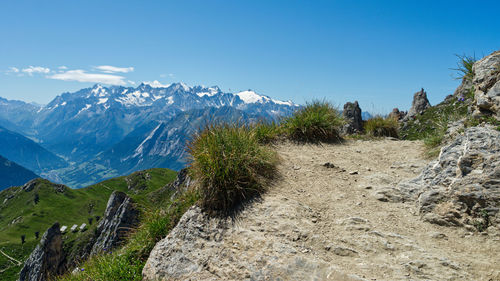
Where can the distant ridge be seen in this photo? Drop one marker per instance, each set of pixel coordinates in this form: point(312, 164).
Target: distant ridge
point(12, 174)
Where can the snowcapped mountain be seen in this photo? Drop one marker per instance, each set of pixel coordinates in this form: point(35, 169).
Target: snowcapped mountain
point(81, 124)
point(104, 131)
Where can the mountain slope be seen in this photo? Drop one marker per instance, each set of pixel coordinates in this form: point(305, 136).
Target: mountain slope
point(38, 204)
point(27, 153)
point(163, 144)
point(12, 174)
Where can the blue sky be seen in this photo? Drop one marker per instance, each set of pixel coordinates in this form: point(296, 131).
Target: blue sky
point(376, 52)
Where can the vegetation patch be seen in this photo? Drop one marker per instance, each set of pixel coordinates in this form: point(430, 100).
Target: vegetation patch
point(126, 263)
point(230, 165)
point(464, 67)
point(317, 122)
point(379, 126)
point(267, 132)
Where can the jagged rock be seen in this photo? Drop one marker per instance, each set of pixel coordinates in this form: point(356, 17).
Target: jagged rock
point(352, 115)
point(487, 85)
point(181, 183)
point(419, 104)
point(463, 185)
point(397, 114)
point(46, 260)
point(30, 185)
point(119, 218)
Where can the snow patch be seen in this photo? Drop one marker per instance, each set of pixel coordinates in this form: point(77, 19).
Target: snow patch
point(156, 84)
point(87, 106)
point(211, 92)
point(289, 103)
point(170, 100)
point(102, 100)
point(251, 97)
point(139, 150)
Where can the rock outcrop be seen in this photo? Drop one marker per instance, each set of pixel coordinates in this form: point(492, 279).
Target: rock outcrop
point(487, 85)
point(47, 258)
point(181, 183)
point(353, 118)
point(461, 187)
point(119, 218)
point(397, 114)
point(419, 104)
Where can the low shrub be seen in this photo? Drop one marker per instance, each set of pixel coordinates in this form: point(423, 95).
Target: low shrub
point(379, 126)
point(318, 121)
point(229, 165)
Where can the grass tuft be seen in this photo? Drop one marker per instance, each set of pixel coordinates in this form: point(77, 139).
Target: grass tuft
point(379, 126)
point(267, 132)
point(230, 165)
point(464, 67)
point(318, 121)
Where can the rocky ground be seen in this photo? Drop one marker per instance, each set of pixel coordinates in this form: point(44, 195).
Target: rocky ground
point(326, 219)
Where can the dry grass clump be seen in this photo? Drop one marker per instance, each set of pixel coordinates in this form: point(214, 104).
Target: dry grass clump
point(379, 126)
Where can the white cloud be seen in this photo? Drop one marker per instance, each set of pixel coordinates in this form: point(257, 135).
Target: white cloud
point(35, 69)
point(63, 67)
point(13, 70)
point(171, 75)
point(113, 69)
point(156, 84)
point(82, 76)
point(131, 82)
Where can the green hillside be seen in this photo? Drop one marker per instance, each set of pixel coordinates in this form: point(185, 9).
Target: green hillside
point(34, 208)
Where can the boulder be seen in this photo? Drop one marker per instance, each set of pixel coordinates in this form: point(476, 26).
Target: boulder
point(352, 116)
point(419, 104)
point(397, 114)
point(487, 85)
point(461, 187)
point(176, 257)
point(119, 218)
point(47, 258)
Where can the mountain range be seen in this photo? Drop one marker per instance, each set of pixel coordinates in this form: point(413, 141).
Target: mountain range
point(102, 132)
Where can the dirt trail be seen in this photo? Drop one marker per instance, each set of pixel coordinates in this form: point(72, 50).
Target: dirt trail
point(325, 223)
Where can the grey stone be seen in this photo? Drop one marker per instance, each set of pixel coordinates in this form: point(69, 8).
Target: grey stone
point(344, 252)
point(47, 258)
point(486, 84)
point(119, 218)
point(463, 183)
point(419, 104)
point(352, 116)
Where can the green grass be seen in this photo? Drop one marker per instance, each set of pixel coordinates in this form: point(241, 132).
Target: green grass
point(379, 126)
point(230, 165)
point(316, 122)
point(431, 126)
point(267, 132)
point(464, 67)
point(68, 207)
point(126, 263)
